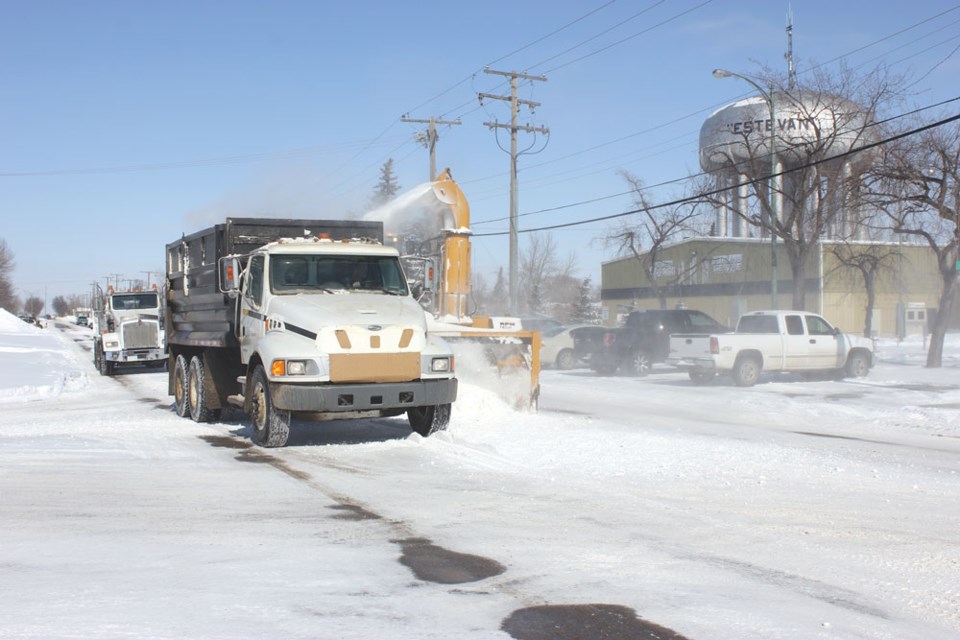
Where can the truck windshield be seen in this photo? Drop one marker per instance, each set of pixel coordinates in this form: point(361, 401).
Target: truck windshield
point(128, 301)
point(298, 273)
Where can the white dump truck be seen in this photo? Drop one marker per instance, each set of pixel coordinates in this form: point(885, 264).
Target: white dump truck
point(128, 330)
point(311, 317)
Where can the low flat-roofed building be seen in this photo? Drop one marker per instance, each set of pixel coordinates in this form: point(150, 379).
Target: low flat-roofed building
point(726, 277)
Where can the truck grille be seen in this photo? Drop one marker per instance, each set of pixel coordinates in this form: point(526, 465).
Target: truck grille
point(140, 334)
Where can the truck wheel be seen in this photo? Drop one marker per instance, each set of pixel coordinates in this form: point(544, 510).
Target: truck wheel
point(271, 427)
point(639, 363)
point(181, 400)
point(429, 420)
point(858, 365)
point(701, 377)
point(746, 371)
point(566, 359)
point(104, 366)
point(200, 410)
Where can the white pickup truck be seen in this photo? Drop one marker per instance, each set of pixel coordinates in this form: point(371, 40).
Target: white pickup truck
point(771, 341)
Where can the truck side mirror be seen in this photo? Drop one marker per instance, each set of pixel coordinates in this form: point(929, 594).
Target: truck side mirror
point(229, 268)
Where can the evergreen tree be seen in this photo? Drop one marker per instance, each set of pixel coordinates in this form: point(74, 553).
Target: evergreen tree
point(499, 297)
point(535, 301)
point(585, 311)
point(387, 188)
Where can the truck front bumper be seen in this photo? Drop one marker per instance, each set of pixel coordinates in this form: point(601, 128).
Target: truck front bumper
point(135, 355)
point(363, 397)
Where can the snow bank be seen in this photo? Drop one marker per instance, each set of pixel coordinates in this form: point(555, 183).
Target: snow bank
point(37, 364)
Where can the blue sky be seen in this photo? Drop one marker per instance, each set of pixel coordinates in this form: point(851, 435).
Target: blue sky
point(124, 124)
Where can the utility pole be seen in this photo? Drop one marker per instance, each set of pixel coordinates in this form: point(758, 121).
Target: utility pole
point(515, 103)
point(430, 142)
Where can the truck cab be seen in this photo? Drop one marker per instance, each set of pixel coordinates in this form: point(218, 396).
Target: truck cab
point(128, 330)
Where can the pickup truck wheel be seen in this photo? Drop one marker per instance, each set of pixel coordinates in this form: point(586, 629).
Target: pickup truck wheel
point(746, 371)
point(566, 359)
point(181, 401)
point(858, 365)
point(639, 363)
point(271, 427)
point(701, 377)
point(200, 410)
point(428, 420)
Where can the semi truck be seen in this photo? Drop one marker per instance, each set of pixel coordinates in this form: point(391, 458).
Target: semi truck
point(128, 330)
point(300, 317)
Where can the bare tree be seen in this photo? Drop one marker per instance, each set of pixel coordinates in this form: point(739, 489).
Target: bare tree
point(60, 306)
point(647, 232)
point(33, 305)
point(817, 191)
point(865, 262)
point(917, 185)
point(8, 299)
point(540, 268)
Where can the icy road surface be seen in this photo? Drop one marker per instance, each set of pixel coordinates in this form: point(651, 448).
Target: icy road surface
point(625, 508)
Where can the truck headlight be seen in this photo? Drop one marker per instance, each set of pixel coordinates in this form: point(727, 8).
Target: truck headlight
point(289, 368)
point(441, 365)
point(111, 345)
point(296, 367)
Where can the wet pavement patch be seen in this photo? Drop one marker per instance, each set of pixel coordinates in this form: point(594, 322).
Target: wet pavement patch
point(843, 396)
point(226, 442)
point(433, 563)
point(925, 387)
point(583, 622)
point(348, 511)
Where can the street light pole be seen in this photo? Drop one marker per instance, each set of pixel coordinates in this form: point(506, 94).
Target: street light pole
point(773, 216)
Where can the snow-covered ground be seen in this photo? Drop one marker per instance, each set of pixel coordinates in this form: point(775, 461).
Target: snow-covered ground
point(625, 508)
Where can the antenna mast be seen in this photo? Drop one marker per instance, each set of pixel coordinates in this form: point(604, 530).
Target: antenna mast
point(791, 69)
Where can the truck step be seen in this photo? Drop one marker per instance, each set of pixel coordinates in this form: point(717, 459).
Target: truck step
point(236, 400)
point(242, 380)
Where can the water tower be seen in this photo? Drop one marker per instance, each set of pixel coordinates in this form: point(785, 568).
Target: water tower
point(807, 127)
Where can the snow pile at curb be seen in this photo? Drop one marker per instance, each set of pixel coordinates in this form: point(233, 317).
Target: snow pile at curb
point(36, 364)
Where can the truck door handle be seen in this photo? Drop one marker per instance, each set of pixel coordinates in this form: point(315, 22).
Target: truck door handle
point(813, 341)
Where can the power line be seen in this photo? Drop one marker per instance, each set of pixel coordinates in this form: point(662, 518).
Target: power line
point(703, 173)
point(712, 192)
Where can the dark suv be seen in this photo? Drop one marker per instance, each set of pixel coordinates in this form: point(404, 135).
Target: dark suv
point(643, 340)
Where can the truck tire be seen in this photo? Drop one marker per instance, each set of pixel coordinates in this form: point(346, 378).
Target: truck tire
point(181, 399)
point(566, 359)
point(104, 366)
point(639, 363)
point(428, 420)
point(858, 364)
point(271, 427)
point(746, 371)
point(702, 378)
point(200, 411)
